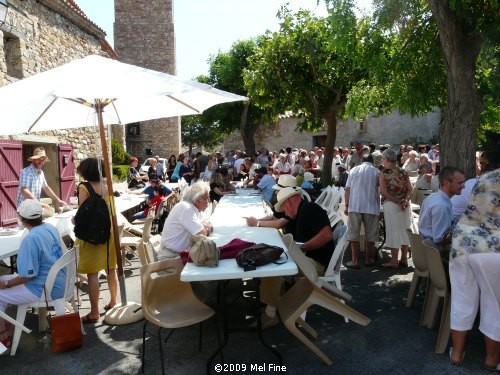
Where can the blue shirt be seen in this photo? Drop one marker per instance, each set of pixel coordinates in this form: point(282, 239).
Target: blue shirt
point(307, 185)
point(33, 179)
point(435, 217)
point(266, 186)
point(39, 250)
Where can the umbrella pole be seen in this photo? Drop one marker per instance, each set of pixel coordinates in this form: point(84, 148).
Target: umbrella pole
point(128, 312)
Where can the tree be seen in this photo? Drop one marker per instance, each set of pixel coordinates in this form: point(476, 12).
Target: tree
point(309, 67)
point(437, 54)
point(226, 73)
point(194, 132)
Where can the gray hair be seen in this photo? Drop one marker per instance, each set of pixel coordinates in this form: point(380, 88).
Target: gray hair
point(390, 155)
point(413, 153)
point(196, 192)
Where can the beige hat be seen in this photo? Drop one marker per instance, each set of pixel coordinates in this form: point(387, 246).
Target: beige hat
point(285, 180)
point(284, 194)
point(38, 153)
point(30, 209)
point(377, 159)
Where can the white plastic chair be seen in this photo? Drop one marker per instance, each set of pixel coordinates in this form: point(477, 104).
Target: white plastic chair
point(68, 261)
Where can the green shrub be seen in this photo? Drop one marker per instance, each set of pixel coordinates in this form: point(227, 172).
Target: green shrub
point(120, 172)
point(118, 154)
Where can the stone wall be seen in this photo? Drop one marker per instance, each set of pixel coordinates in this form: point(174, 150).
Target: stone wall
point(393, 129)
point(39, 37)
point(144, 35)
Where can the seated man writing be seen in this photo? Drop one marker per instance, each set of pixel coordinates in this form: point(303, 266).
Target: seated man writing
point(184, 221)
point(312, 229)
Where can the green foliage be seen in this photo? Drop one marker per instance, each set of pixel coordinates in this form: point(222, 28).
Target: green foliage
point(120, 172)
point(118, 154)
point(308, 67)
point(195, 132)
point(407, 69)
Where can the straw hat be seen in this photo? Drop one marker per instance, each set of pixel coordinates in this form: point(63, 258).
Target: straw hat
point(30, 209)
point(38, 153)
point(285, 180)
point(283, 195)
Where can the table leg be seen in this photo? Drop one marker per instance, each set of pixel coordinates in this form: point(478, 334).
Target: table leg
point(223, 306)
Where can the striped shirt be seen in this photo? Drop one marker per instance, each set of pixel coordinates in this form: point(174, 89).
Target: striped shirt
point(34, 180)
point(364, 196)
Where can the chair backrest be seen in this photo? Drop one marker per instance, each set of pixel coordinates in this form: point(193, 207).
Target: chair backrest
point(300, 259)
point(337, 256)
point(146, 230)
point(67, 263)
point(436, 268)
point(162, 290)
point(323, 195)
point(418, 251)
point(152, 248)
point(422, 195)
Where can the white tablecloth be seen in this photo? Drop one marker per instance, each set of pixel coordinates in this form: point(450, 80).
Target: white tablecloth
point(229, 223)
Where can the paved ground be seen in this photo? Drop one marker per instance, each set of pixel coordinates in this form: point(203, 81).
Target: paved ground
point(392, 343)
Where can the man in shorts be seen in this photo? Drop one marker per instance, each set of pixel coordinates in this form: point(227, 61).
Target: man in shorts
point(362, 205)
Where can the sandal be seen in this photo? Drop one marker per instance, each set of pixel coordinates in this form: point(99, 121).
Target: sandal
point(108, 307)
point(371, 263)
point(352, 265)
point(403, 263)
point(88, 320)
point(390, 265)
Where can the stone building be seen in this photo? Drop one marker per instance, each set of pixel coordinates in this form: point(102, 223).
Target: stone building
point(39, 35)
point(144, 36)
point(394, 129)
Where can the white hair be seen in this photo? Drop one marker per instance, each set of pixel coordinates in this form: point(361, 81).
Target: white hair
point(196, 192)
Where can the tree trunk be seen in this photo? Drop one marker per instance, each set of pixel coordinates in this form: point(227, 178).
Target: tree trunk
point(247, 131)
point(331, 136)
point(461, 116)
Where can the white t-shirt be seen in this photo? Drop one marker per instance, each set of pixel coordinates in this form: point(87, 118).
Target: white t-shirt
point(183, 222)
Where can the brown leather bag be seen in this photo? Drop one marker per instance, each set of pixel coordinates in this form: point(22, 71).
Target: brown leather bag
point(259, 255)
point(65, 331)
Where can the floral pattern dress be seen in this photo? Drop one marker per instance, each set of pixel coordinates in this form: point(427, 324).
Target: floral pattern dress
point(396, 180)
point(478, 230)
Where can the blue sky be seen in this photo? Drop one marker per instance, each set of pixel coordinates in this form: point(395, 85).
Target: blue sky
point(203, 27)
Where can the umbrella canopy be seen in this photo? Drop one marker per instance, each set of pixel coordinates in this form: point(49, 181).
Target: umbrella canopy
point(100, 90)
point(53, 99)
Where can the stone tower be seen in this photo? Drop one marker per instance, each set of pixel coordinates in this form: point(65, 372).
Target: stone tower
point(144, 36)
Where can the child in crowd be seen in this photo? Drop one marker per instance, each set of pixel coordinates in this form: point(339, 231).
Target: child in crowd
point(161, 192)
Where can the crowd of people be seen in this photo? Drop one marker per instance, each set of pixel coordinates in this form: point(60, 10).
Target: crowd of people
point(462, 222)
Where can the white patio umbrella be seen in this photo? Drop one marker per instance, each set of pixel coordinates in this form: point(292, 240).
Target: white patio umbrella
point(70, 96)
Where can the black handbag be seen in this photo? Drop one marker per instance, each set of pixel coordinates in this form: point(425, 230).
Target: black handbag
point(259, 255)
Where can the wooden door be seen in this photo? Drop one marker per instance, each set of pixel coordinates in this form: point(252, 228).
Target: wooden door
point(11, 162)
point(66, 163)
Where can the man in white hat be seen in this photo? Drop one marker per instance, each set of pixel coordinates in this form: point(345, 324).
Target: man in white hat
point(32, 180)
point(276, 220)
point(312, 229)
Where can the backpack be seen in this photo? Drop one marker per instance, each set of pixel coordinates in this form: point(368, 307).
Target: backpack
point(92, 221)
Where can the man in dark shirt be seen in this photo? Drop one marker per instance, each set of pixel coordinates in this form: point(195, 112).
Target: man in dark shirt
point(312, 226)
point(311, 229)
